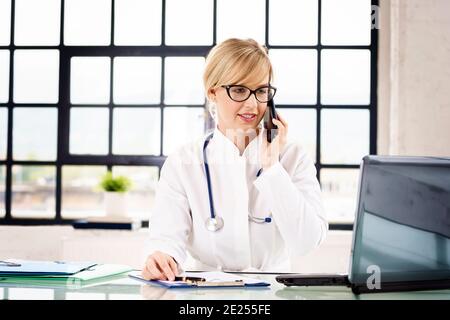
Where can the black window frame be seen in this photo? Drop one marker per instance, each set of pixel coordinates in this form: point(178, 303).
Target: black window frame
point(63, 106)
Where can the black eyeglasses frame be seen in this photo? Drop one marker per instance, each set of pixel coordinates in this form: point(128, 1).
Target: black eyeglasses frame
point(228, 87)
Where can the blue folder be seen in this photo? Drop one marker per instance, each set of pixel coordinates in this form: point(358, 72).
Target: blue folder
point(40, 268)
point(226, 281)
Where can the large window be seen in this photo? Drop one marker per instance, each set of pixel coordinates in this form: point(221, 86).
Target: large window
point(88, 86)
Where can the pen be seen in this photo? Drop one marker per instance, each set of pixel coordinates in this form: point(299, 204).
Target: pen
point(189, 279)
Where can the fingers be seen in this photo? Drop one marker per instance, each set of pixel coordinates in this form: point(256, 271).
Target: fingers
point(145, 273)
point(283, 121)
point(281, 126)
point(164, 266)
point(159, 266)
point(280, 121)
point(153, 270)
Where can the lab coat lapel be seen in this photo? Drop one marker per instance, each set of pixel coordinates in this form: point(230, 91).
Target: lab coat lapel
point(230, 195)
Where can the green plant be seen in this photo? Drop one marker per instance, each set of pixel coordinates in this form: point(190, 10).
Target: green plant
point(114, 184)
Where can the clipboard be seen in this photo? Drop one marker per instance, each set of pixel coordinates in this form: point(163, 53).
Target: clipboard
point(204, 280)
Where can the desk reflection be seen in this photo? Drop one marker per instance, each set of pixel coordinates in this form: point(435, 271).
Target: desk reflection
point(344, 293)
point(149, 292)
point(129, 289)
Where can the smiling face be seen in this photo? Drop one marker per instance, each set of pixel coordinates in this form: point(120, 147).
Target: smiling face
point(232, 115)
point(237, 62)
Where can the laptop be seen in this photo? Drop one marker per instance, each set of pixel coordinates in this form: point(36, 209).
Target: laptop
point(401, 233)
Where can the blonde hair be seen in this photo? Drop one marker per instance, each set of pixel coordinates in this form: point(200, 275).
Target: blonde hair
point(236, 61)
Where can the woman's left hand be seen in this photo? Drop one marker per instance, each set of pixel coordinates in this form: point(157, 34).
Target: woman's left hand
point(270, 153)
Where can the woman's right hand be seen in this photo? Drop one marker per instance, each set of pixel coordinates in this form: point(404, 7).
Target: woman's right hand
point(160, 266)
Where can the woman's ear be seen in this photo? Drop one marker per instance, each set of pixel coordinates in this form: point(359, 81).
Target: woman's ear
point(212, 95)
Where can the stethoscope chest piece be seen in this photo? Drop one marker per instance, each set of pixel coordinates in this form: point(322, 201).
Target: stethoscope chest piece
point(214, 224)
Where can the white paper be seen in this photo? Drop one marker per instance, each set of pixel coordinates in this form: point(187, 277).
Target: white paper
point(216, 276)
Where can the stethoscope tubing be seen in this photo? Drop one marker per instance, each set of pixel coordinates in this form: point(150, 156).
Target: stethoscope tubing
point(216, 223)
point(208, 177)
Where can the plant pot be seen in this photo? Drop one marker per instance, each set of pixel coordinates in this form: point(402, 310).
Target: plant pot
point(115, 204)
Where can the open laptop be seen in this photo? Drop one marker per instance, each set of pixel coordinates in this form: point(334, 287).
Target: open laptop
point(401, 233)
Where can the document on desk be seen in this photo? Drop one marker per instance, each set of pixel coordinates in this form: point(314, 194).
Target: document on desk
point(36, 268)
point(204, 280)
point(93, 276)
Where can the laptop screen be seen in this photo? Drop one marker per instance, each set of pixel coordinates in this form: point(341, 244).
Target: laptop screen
point(402, 228)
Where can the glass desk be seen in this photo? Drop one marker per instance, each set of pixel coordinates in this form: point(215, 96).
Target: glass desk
point(125, 288)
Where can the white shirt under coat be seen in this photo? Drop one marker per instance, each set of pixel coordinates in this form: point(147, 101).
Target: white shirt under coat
point(288, 189)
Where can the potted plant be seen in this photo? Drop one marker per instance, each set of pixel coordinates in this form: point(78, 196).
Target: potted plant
point(115, 194)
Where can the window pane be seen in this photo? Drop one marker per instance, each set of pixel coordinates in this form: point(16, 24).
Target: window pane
point(295, 75)
point(137, 80)
point(87, 22)
point(89, 125)
point(37, 22)
point(81, 196)
point(4, 76)
point(345, 77)
point(36, 75)
point(2, 190)
point(33, 191)
point(90, 79)
point(302, 128)
point(345, 136)
point(140, 199)
point(183, 80)
point(346, 22)
point(183, 29)
point(5, 22)
point(35, 132)
point(137, 131)
point(339, 193)
point(241, 19)
point(3, 132)
point(300, 16)
point(182, 125)
point(137, 22)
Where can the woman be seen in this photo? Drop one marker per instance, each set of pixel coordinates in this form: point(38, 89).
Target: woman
point(261, 207)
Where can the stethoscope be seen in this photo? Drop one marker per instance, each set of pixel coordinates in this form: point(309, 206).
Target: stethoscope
point(214, 223)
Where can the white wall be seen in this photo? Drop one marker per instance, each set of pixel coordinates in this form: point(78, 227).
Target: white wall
point(414, 78)
point(66, 243)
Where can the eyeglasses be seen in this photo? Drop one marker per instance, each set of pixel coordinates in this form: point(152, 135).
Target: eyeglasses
point(241, 93)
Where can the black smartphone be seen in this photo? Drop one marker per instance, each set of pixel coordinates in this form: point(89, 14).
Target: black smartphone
point(270, 127)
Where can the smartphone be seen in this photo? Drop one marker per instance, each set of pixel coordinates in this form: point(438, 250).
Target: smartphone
point(270, 127)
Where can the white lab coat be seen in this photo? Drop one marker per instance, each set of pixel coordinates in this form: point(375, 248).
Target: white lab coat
point(289, 190)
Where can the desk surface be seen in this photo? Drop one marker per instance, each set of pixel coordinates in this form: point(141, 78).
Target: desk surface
point(124, 288)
